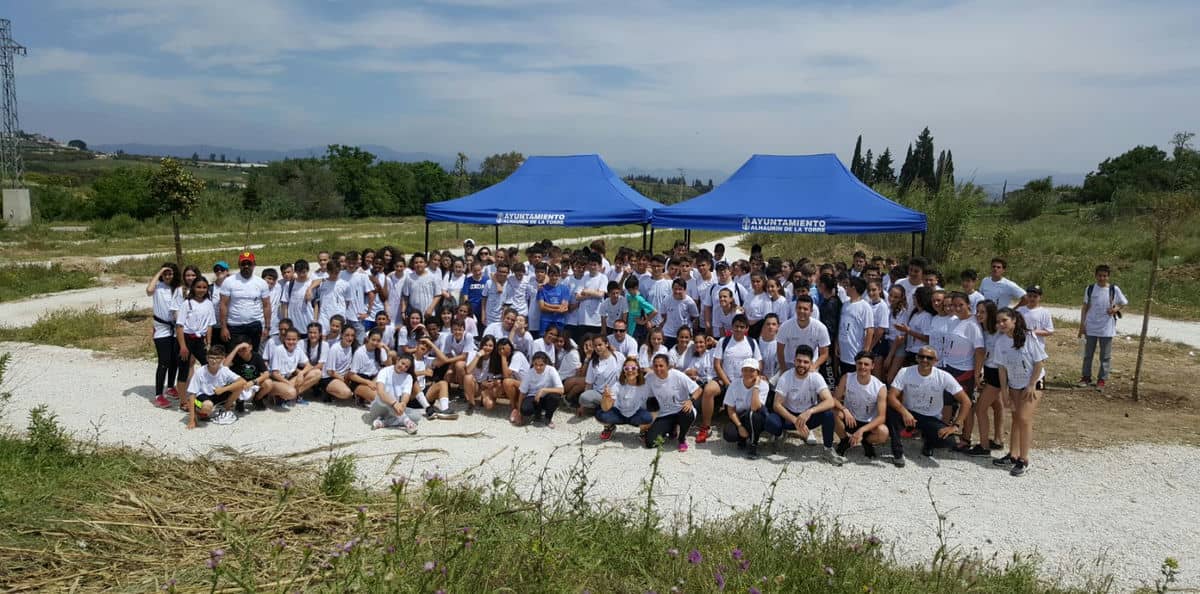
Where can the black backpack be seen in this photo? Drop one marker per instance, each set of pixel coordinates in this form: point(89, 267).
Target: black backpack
point(1112, 296)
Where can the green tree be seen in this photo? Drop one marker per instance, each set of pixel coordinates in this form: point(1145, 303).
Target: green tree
point(1142, 168)
point(79, 144)
point(923, 153)
point(497, 167)
point(212, 157)
point(937, 172)
point(175, 190)
point(856, 163)
point(462, 179)
point(124, 190)
point(433, 183)
point(867, 168)
point(223, 158)
point(351, 168)
point(399, 182)
point(947, 175)
point(885, 171)
point(195, 158)
point(908, 171)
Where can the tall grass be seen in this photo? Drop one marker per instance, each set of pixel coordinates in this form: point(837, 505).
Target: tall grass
point(17, 282)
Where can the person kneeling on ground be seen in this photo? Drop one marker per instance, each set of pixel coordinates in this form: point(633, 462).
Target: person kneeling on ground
point(291, 375)
point(802, 402)
point(744, 404)
point(395, 387)
point(542, 390)
point(209, 382)
point(250, 366)
point(915, 400)
point(862, 399)
point(674, 394)
point(626, 405)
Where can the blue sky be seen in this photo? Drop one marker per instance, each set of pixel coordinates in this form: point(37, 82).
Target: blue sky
point(1007, 85)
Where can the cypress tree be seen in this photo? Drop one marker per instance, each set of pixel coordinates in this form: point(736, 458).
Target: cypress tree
point(925, 160)
point(856, 161)
point(948, 171)
point(867, 168)
point(937, 173)
point(908, 171)
point(885, 172)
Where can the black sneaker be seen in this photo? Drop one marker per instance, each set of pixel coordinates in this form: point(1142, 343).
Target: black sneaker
point(741, 444)
point(470, 409)
point(995, 445)
point(752, 454)
point(869, 450)
point(260, 405)
point(927, 451)
point(1007, 460)
point(898, 461)
point(978, 450)
point(240, 406)
point(430, 412)
point(843, 446)
point(1019, 468)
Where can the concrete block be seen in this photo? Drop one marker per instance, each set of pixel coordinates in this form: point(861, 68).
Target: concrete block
point(18, 212)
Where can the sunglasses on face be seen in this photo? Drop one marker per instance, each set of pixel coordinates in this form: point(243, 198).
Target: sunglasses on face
point(619, 330)
point(633, 368)
point(926, 358)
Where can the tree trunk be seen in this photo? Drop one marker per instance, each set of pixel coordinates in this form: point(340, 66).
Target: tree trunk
point(1137, 370)
point(178, 244)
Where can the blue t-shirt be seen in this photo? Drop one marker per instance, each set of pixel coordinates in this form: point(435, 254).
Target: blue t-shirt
point(555, 295)
point(473, 290)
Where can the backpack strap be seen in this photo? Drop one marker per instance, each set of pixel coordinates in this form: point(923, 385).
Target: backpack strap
point(1087, 295)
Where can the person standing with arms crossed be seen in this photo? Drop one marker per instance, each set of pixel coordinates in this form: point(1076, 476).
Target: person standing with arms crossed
point(245, 305)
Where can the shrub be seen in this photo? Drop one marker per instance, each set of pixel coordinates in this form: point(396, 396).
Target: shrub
point(121, 224)
point(124, 190)
point(337, 478)
point(1024, 206)
point(46, 437)
point(949, 211)
point(1002, 240)
point(53, 203)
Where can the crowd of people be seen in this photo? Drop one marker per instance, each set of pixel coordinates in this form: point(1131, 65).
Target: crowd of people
point(870, 353)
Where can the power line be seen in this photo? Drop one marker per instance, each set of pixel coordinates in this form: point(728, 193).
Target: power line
point(11, 168)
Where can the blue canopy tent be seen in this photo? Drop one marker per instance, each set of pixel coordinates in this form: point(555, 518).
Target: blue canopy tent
point(571, 191)
point(793, 194)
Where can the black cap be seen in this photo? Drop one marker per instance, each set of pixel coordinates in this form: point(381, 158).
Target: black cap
point(1034, 289)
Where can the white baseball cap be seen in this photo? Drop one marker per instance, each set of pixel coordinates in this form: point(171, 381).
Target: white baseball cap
point(750, 362)
point(470, 241)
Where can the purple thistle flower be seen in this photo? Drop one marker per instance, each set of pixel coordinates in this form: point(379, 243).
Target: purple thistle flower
point(720, 579)
point(736, 553)
point(220, 508)
point(672, 552)
point(362, 509)
point(754, 590)
point(391, 549)
point(744, 565)
point(873, 540)
point(695, 558)
point(430, 565)
point(287, 484)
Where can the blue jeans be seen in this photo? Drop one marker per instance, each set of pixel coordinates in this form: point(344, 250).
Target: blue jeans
point(1089, 350)
point(613, 416)
point(824, 419)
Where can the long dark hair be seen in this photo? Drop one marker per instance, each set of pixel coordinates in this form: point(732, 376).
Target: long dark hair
point(989, 315)
point(923, 298)
point(188, 289)
point(494, 364)
point(207, 287)
point(1020, 330)
point(176, 278)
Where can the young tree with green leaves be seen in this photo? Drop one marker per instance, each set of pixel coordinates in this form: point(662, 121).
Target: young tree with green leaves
point(176, 191)
point(866, 168)
point(908, 171)
point(885, 171)
point(856, 160)
point(925, 163)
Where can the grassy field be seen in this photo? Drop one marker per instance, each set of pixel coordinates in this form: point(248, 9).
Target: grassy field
point(22, 281)
point(75, 516)
point(84, 171)
point(1057, 250)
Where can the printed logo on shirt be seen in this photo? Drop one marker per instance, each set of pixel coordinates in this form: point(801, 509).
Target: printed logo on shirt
point(530, 218)
point(779, 225)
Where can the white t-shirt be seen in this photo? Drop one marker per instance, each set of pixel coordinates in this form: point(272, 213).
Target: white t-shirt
point(703, 364)
point(421, 290)
point(739, 395)
point(989, 344)
point(1098, 322)
point(1019, 362)
point(910, 290)
point(397, 385)
point(396, 281)
point(923, 394)
point(245, 299)
point(623, 348)
point(287, 362)
point(496, 296)
point(857, 316)
point(758, 306)
point(901, 318)
point(628, 398)
point(863, 400)
point(791, 335)
point(882, 314)
point(732, 352)
point(204, 383)
point(1038, 319)
point(299, 310)
point(769, 349)
point(722, 321)
point(604, 373)
point(534, 381)
point(1003, 292)
point(799, 394)
point(569, 364)
point(613, 311)
point(697, 288)
point(589, 307)
point(974, 299)
point(918, 322)
point(938, 327)
point(678, 313)
point(166, 302)
point(337, 358)
point(645, 357)
point(333, 300)
point(367, 363)
point(275, 295)
point(195, 317)
point(672, 391)
point(518, 365)
point(960, 340)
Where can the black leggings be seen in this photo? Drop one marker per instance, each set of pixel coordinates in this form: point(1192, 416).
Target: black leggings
point(664, 425)
point(754, 422)
point(196, 349)
point(167, 349)
point(547, 405)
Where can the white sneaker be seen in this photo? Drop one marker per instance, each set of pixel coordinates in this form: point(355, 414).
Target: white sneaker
point(377, 424)
point(225, 417)
point(409, 426)
point(812, 437)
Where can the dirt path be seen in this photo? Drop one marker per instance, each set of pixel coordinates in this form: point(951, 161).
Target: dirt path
point(1148, 511)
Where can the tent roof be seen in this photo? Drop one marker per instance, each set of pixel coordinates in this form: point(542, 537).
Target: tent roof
point(792, 194)
point(572, 190)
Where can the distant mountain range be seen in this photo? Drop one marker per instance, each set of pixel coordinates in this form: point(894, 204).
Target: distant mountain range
point(991, 181)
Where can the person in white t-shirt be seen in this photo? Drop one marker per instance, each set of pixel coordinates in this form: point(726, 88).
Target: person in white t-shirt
point(291, 375)
point(768, 346)
point(1037, 318)
point(424, 289)
point(368, 359)
point(802, 329)
point(745, 405)
point(395, 388)
point(1002, 291)
point(862, 402)
point(1022, 365)
point(856, 321)
point(803, 403)
point(678, 311)
point(1102, 303)
point(336, 363)
point(541, 390)
point(625, 404)
point(167, 296)
point(675, 394)
point(294, 302)
point(915, 403)
point(245, 305)
point(208, 384)
point(193, 331)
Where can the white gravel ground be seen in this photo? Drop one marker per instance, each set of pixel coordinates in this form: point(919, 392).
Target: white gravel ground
point(1129, 506)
